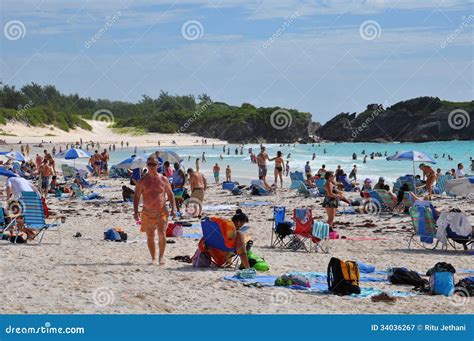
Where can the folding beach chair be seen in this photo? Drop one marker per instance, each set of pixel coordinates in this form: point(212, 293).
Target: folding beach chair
point(441, 183)
point(380, 201)
point(302, 237)
point(33, 215)
point(296, 179)
point(346, 183)
point(320, 183)
point(407, 202)
point(260, 188)
point(277, 239)
point(68, 172)
point(423, 217)
point(214, 238)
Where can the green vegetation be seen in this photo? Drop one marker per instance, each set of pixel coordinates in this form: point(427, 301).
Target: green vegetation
point(39, 105)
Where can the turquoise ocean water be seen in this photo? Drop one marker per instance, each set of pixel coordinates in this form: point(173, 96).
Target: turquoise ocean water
point(336, 154)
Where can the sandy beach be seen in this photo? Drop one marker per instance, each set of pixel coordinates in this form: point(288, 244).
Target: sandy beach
point(101, 132)
point(90, 275)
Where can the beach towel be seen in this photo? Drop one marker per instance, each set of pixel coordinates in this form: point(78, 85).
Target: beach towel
point(219, 207)
point(320, 230)
point(317, 287)
point(256, 203)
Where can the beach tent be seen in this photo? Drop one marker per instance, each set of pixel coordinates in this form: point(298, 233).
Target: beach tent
point(17, 156)
point(6, 172)
point(413, 156)
point(132, 162)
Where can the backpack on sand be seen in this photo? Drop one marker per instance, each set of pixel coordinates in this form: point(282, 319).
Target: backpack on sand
point(343, 277)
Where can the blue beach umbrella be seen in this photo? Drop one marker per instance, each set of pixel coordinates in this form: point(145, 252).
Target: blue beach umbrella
point(6, 172)
point(413, 156)
point(17, 156)
point(73, 154)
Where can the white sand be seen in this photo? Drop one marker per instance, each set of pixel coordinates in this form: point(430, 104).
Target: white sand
point(89, 275)
point(100, 133)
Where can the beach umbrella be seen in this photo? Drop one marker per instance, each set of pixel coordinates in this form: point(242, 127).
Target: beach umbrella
point(73, 154)
point(17, 156)
point(170, 156)
point(76, 153)
point(413, 156)
point(6, 172)
point(132, 162)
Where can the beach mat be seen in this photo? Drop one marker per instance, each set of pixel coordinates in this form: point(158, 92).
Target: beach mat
point(219, 207)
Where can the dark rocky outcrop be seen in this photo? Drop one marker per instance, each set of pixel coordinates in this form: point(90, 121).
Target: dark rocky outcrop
point(415, 120)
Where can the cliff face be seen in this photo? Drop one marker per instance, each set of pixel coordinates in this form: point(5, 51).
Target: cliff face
point(416, 120)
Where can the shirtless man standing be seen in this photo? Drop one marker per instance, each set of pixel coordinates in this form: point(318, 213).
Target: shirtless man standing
point(198, 185)
point(262, 158)
point(155, 189)
point(45, 173)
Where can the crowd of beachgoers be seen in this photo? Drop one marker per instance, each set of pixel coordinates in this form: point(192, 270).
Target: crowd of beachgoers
point(361, 218)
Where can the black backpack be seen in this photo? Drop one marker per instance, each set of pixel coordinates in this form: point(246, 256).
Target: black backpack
point(343, 277)
point(405, 276)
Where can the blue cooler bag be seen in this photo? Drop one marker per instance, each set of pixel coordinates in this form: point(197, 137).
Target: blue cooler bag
point(229, 185)
point(442, 283)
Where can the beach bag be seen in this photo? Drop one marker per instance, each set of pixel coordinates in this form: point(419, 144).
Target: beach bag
point(440, 267)
point(201, 259)
point(112, 235)
point(236, 191)
point(284, 229)
point(257, 262)
point(343, 277)
point(465, 287)
point(228, 185)
point(442, 283)
point(174, 230)
point(405, 276)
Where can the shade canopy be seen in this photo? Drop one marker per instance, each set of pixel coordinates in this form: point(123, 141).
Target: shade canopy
point(170, 156)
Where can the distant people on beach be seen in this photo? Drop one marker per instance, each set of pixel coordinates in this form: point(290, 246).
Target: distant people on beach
point(215, 170)
point(198, 185)
point(353, 173)
point(279, 162)
point(307, 171)
point(228, 174)
point(262, 159)
point(460, 171)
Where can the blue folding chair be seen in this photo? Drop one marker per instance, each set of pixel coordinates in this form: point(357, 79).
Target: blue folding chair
point(279, 216)
point(213, 238)
point(296, 179)
point(33, 215)
point(320, 183)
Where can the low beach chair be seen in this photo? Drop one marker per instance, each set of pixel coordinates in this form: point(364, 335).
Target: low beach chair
point(423, 217)
point(3, 224)
point(302, 237)
point(260, 188)
point(296, 179)
point(441, 183)
point(381, 200)
point(346, 183)
point(68, 172)
point(279, 216)
point(320, 183)
point(34, 218)
point(216, 241)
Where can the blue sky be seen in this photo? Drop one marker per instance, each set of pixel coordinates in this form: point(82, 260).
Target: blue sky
point(320, 60)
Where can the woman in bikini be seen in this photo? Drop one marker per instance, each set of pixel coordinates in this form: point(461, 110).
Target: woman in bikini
point(331, 198)
point(279, 163)
point(430, 176)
